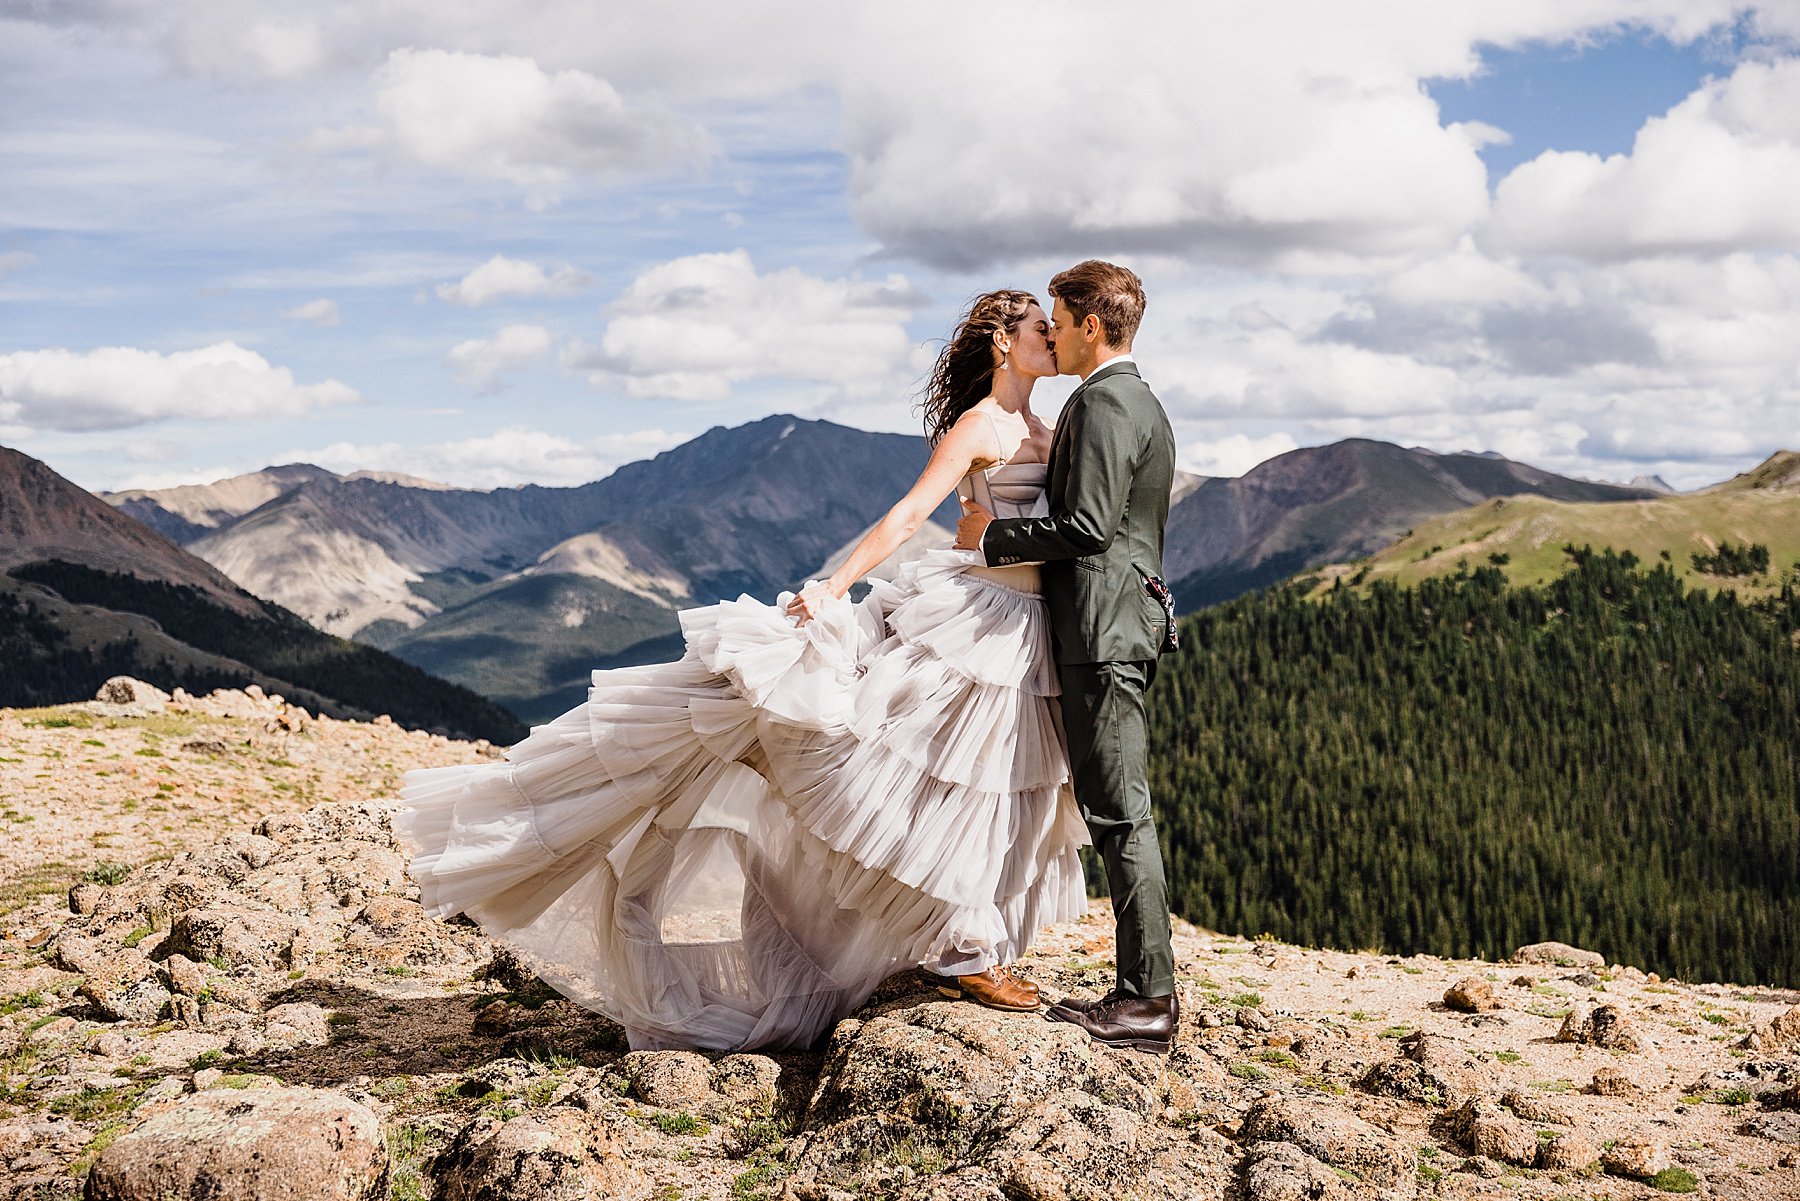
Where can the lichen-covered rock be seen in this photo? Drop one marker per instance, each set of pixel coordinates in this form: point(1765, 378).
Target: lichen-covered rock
point(926, 1082)
point(274, 1144)
point(1783, 1031)
point(669, 1079)
point(1642, 1156)
point(550, 1153)
point(1611, 1082)
point(1537, 1109)
point(747, 1081)
point(1485, 1129)
point(298, 1024)
point(121, 1001)
point(1432, 1070)
point(1472, 994)
point(1283, 1172)
point(1568, 1151)
point(257, 939)
point(1334, 1136)
point(1558, 954)
point(1600, 1026)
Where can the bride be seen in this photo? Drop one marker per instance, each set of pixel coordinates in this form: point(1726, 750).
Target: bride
point(733, 850)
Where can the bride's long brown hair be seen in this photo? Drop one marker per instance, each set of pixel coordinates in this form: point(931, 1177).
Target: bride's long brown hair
point(963, 375)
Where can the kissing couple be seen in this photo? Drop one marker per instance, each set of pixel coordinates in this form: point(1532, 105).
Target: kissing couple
point(732, 850)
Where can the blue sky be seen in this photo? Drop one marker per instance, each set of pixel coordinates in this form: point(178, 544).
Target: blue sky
point(230, 230)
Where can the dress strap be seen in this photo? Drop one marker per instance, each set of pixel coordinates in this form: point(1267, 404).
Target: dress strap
point(994, 425)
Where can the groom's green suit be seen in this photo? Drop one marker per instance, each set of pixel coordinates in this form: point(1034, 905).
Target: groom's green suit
point(1112, 463)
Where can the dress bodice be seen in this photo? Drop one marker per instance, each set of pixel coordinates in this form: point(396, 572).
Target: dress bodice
point(1010, 489)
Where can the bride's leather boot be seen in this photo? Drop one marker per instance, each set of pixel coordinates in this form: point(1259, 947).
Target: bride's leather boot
point(997, 988)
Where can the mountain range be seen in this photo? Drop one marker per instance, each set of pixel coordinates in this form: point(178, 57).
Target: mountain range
point(1328, 504)
point(518, 593)
point(87, 591)
point(1525, 536)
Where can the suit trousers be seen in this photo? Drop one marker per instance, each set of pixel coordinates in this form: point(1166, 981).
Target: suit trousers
point(1109, 743)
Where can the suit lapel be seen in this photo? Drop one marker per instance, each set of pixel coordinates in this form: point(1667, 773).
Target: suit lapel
point(1063, 423)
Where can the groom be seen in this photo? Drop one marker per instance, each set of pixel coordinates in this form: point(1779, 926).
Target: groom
point(1112, 463)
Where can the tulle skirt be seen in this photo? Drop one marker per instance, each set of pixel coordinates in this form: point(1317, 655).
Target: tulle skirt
point(732, 850)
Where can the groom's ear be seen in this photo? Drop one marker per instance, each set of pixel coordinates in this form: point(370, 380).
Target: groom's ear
point(1092, 329)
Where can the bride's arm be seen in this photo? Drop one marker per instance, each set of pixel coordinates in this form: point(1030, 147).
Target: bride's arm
point(969, 444)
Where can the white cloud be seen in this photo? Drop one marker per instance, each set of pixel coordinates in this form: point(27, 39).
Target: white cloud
point(487, 116)
point(480, 361)
point(322, 312)
point(15, 260)
point(501, 278)
point(120, 386)
point(1232, 454)
point(506, 458)
point(691, 328)
point(1719, 172)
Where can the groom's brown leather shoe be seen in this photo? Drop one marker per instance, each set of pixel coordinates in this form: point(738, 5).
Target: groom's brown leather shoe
point(997, 988)
point(1141, 1023)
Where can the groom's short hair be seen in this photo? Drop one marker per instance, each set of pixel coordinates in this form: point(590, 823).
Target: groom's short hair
point(1106, 290)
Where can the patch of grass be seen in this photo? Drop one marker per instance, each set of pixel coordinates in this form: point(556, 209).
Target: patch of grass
point(1250, 999)
point(1508, 1056)
point(137, 935)
point(1730, 1096)
point(240, 1079)
point(1541, 1010)
point(148, 752)
point(760, 1181)
point(1674, 1180)
point(1412, 971)
point(679, 1123)
point(1278, 1057)
point(1361, 1015)
point(1553, 1086)
point(1429, 1174)
point(37, 880)
point(409, 1147)
point(97, 1104)
point(25, 1000)
point(92, 742)
point(399, 970)
point(107, 872)
point(1717, 1019)
point(1245, 1070)
point(59, 718)
point(206, 1059)
point(1323, 1085)
point(1395, 1032)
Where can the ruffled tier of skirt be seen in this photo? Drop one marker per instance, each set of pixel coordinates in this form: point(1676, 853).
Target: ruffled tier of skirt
point(734, 849)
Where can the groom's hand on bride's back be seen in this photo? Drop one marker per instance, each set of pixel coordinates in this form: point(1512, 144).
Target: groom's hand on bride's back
point(973, 525)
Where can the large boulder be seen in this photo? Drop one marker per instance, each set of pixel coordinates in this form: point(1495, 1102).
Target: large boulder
point(273, 1144)
point(951, 1099)
point(1558, 954)
point(1336, 1137)
point(1600, 1026)
point(560, 1152)
point(1484, 1128)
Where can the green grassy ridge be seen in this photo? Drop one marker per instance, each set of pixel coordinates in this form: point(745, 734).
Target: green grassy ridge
point(1530, 532)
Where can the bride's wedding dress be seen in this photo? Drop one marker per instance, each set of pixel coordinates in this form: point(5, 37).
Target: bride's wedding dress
point(734, 849)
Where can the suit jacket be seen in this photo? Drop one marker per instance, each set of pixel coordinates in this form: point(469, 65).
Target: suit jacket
point(1112, 464)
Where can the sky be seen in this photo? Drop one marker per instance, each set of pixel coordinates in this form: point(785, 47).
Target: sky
point(505, 243)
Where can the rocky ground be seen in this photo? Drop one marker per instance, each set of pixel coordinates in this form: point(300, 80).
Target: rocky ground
point(228, 989)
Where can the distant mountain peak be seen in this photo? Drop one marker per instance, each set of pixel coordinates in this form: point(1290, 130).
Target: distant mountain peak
point(1779, 472)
